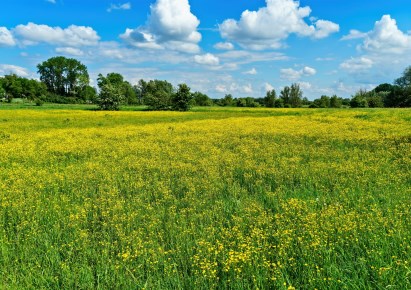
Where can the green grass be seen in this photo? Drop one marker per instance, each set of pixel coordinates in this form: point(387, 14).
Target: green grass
point(215, 198)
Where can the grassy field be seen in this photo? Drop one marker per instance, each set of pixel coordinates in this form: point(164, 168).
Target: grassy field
point(216, 198)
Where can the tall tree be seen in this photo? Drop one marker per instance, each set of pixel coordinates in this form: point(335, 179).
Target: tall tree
point(296, 96)
point(182, 98)
point(63, 76)
point(285, 96)
point(111, 91)
point(269, 100)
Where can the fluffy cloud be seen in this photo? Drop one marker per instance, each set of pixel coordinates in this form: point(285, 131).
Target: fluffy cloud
point(170, 25)
point(125, 6)
point(207, 59)
point(13, 69)
point(72, 36)
point(70, 51)
point(359, 64)
point(6, 38)
point(51, 1)
point(252, 71)
point(385, 38)
point(293, 75)
point(270, 25)
point(224, 46)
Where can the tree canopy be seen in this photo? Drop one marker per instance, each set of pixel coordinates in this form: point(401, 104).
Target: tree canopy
point(63, 76)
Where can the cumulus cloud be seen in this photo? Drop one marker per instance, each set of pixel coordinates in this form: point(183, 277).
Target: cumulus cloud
point(6, 69)
point(354, 34)
point(224, 46)
point(293, 75)
point(70, 51)
point(385, 38)
point(6, 38)
point(270, 25)
point(357, 64)
point(207, 59)
point(72, 36)
point(252, 71)
point(125, 6)
point(170, 25)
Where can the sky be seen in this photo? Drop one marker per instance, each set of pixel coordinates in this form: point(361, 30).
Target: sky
point(241, 47)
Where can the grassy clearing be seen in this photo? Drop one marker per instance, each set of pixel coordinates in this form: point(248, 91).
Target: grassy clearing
point(211, 199)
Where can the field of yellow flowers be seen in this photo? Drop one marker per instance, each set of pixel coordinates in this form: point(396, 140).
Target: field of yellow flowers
point(210, 199)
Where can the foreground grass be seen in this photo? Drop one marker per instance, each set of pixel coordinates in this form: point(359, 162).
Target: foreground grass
point(218, 198)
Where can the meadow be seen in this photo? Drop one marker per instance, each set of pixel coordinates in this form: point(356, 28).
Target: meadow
point(216, 198)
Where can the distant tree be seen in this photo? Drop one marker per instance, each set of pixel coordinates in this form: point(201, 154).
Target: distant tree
point(279, 103)
point(335, 102)
point(182, 98)
point(201, 99)
point(158, 95)
point(269, 100)
point(359, 100)
point(375, 100)
point(296, 96)
point(111, 91)
point(285, 95)
point(88, 94)
point(2, 93)
point(405, 79)
point(63, 76)
point(322, 102)
point(227, 101)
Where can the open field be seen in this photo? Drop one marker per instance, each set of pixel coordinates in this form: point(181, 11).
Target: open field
point(218, 198)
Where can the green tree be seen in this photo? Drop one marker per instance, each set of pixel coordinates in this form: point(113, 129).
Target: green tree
point(269, 99)
point(227, 101)
point(405, 79)
point(111, 91)
point(359, 100)
point(158, 95)
point(296, 96)
point(201, 99)
point(285, 96)
point(335, 102)
point(182, 98)
point(63, 76)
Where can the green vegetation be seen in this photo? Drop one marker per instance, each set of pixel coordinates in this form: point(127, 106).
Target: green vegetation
point(66, 80)
point(216, 198)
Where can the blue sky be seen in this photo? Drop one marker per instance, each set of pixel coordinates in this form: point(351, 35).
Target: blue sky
point(242, 47)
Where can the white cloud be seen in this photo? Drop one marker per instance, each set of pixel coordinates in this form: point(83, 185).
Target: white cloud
point(170, 25)
point(125, 6)
point(270, 25)
point(6, 69)
point(224, 46)
point(293, 75)
point(324, 28)
point(252, 71)
point(6, 38)
point(51, 1)
point(207, 59)
point(385, 38)
point(72, 36)
point(357, 64)
point(305, 85)
point(248, 88)
point(70, 51)
point(267, 87)
point(354, 34)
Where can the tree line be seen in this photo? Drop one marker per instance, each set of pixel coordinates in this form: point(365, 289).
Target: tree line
point(66, 80)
